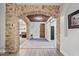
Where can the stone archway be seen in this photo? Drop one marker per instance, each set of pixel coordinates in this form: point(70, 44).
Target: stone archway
point(13, 11)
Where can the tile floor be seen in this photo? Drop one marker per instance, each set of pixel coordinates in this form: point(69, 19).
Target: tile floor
point(36, 52)
point(25, 43)
point(36, 48)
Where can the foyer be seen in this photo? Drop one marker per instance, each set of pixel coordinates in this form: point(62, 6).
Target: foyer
point(39, 29)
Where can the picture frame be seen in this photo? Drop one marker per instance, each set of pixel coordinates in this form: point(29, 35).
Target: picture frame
point(73, 20)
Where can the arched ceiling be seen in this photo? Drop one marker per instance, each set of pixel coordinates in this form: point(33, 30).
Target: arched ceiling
point(38, 18)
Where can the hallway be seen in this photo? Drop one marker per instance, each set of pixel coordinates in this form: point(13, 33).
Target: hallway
point(41, 29)
point(35, 23)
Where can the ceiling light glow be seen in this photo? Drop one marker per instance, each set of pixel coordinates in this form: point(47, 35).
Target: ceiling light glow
point(38, 18)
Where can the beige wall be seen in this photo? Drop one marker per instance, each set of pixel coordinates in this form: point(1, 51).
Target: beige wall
point(69, 37)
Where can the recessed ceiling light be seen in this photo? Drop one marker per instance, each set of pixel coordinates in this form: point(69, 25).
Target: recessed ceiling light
point(38, 18)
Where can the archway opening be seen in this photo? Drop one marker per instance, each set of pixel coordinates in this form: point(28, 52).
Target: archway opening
point(23, 11)
point(22, 31)
point(37, 33)
point(35, 39)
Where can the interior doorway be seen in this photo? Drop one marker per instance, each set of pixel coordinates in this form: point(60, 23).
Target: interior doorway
point(42, 30)
point(22, 32)
point(24, 12)
point(52, 33)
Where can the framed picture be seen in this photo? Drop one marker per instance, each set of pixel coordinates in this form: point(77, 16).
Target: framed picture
point(73, 20)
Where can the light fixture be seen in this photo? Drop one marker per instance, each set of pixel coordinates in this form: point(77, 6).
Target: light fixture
point(38, 18)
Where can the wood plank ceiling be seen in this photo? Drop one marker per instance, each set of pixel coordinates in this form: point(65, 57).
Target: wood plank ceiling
point(38, 18)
